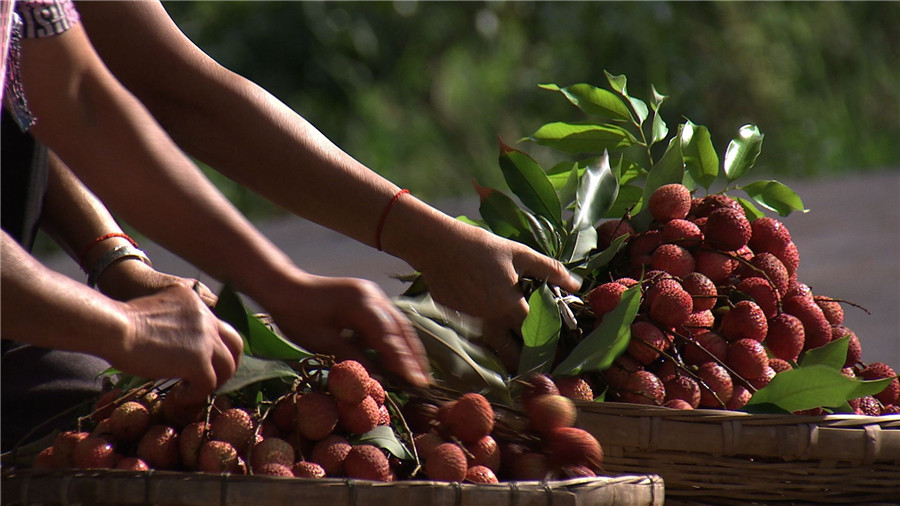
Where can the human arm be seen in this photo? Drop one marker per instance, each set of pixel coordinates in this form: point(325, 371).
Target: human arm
point(109, 139)
point(168, 335)
point(241, 130)
point(75, 218)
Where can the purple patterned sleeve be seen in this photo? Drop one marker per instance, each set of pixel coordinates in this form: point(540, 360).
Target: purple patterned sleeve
point(45, 18)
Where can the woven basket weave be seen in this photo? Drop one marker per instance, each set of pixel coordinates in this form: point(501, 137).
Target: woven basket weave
point(720, 456)
point(124, 488)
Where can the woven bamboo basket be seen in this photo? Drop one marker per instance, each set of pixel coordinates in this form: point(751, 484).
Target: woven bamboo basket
point(124, 488)
point(724, 457)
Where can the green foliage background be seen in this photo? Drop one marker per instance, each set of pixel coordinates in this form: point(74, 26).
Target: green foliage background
point(420, 91)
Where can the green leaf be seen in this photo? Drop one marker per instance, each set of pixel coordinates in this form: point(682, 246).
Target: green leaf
point(597, 351)
point(811, 387)
point(578, 245)
point(669, 169)
point(833, 355)
point(469, 221)
point(660, 129)
point(528, 181)
point(454, 359)
point(384, 437)
point(775, 196)
point(640, 109)
point(628, 198)
point(601, 259)
point(700, 156)
point(752, 212)
point(618, 83)
point(593, 100)
point(259, 340)
point(597, 190)
point(540, 331)
point(742, 152)
point(576, 138)
point(568, 191)
point(657, 98)
point(255, 370)
point(503, 216)
point(544, 234)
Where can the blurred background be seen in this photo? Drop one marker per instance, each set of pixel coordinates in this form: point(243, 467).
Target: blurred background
point(420, 91)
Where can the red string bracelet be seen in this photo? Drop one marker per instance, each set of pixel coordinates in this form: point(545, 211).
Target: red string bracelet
point(384, 214)
point(101, 239)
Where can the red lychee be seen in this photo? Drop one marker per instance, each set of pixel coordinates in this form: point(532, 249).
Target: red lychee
point(426, 442)
point(233, 426)
point(716, 266)
point(768, 266)
point(727, 229)
point(785, 336)
point(330, 454)
point(762, 292)
point(682, 232)
point(644, 387)
point(94, 453)
point(159, 447)
point(535, 385)
point(715, 380)
point(132, 464)
point(367, 462)
point(748, 358)
point(284, 413)
point(673, 259)
point(550, 411)
point(106, 404)
point(419, 415)
point(817, 331)
point(189, 442)
point(530, 466)
point(745, 320)
point(271, 450)
point(682, 387)
point(471, 418)
point(376, 391)
point(481, 474)
point(670, 202)
point(485, 452)
point(712, 202)
point(880, 370)
point(610, 230)
point(446, 462)
point(647, 341)
point(64, 447)
point(348, 381)
point(831, 308)
point(304, 469)
point(576, 388)
point(671, 307)
point(703, 291)
point(739, 398)
point(768, 235)
point(699, 321)
point(571, 446)
point(854, 348)
point(360, 417)
point(275, 469)
point(217, 457)
point(317, 415)
point(713, 343)
point(129, 421)
point(604, 298)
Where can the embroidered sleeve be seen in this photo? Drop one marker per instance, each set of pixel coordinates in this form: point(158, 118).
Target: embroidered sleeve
point(45, 18)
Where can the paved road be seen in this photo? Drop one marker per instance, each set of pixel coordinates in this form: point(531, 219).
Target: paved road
point(849, 247)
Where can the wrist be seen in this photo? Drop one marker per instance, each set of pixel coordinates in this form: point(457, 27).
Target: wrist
point(113, 256)
point(414, 231)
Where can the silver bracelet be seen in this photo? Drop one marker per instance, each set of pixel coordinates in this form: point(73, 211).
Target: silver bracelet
point(112, 256)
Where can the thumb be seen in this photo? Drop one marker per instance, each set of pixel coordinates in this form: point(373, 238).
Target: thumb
point(535, 265)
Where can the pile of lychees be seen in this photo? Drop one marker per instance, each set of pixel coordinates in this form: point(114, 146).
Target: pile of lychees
point(316, 433)
point(459, 440)
point(722, 310)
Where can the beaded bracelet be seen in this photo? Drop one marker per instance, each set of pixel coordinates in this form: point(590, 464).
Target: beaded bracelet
point(384, 215)
point(112, 256)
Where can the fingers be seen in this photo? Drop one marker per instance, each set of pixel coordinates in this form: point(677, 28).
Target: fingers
point(387, 331)
point(498, 337)
point(227, 356)
point(533, 264)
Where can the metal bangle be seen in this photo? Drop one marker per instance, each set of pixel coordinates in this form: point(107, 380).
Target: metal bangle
point(112, 256)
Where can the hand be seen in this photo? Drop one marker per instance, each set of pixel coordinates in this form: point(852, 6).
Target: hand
point(479, 275)
point(316, 311)
point(130, 278)
point(172, 334)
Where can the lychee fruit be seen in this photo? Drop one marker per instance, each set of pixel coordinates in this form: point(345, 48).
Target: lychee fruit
point(644, 387)
point(762, 292)
point(740, 396)
point(471, 418)
point(481, 474)
point(419, 415)
point(94, 453)
point(612, 229)
point(129, 421)
point(699, 321)
point(275, 469)
point(817, 331)
point(790, 257)
point(535, 385)
point(233, 426)
point(869, 405)
point(360, 417)
point(880, 370)
point(271, 450)
point(683, 387)
point(673, 259)
point(305, 469)
point(712, 202)
point(284, 413)
point(45, 459)
point(217, 457)
point(376, 391)
point(605, 297)
point(644, 243)
point(715, 346)
point(681, 232)
point(716, 266)
point(485, 452)
point(106, 404)
point(727, 229)
point(703, 291)
point(763, 380)
point(426, 442)
point(779, 365)
point(576, 388)
point(670, 202)
point(64, 447)
point(768, 266)
point(571, 446)
point(348, 381)
point(317, 415)
point(189, 442)
point(745, 320)
point(549, 412)
point(367, 462)
point(159, 447)
point(446, 462)
point(854, 348)
point(785, 337)
point(716, 387)
point(748, 358)
point(647, 341)
point(618, 373)
point(330, 454)
point(671, 307)
point(677, 404)
point(768, 235)
point(530, 466)
point(132, 464)
point(832, 310)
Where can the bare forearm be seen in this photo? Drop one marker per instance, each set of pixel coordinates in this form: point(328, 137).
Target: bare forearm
point(47, 309)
